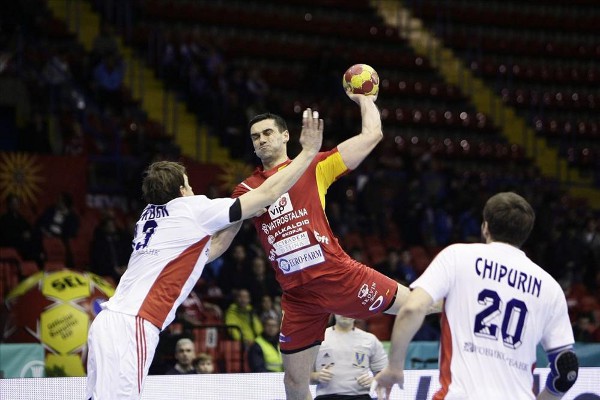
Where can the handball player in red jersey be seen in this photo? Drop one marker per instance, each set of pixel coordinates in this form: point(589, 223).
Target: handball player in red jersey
point(318, 278)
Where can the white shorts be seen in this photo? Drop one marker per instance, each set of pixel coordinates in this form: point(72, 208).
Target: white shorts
point(120, 351)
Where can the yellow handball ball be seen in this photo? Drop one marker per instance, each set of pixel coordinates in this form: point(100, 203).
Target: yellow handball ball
point(361, 79)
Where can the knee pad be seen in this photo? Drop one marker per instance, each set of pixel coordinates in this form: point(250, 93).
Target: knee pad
point(564, 368)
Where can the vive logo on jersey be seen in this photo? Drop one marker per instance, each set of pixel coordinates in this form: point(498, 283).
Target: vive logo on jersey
point(283, 205)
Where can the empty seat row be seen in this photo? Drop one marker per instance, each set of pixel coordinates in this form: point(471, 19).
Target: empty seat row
point(554, 100)
point(522, 46)
point(557, 127)
point(460, 12)
point(270, 18)
point(582, 75)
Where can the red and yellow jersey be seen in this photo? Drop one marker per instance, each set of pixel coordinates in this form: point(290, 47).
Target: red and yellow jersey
point(294, 232)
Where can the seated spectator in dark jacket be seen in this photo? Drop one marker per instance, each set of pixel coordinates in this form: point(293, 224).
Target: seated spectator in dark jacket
point(110, 249)
point(108, 82)
point(264, 354)
point(60, 219)
point(17, 232)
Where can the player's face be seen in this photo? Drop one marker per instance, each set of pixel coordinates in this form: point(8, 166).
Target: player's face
point(269, 143)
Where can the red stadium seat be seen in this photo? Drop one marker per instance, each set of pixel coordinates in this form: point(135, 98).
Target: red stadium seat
point(9, 276)
point(233, 355)
point(55, 249)
point(29, 268)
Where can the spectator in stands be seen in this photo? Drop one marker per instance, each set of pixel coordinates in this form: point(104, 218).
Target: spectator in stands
point(390, 265)
point(60, 220)
point(195, 312)
point(235, 271)
point(203, 363)
point(586, 329)
point(268, 309)
point(36, 135)
point(17, 232)
point(241, 314)
point(591, 242)
point(468, 226)
point(264, 354)
point(257, 87)
point(347, 361)
point(185, 353)
point(104, 44)
point(406, 267)
point(261, 282)
point(108, 82)
point(57, 74)
point(110, 248)
point(398, 266)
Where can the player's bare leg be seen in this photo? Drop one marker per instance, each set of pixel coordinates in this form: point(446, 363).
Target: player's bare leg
point(401, 296)
point(297, 367)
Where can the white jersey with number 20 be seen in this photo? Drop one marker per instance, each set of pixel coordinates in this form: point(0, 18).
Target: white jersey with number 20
point(498, 306)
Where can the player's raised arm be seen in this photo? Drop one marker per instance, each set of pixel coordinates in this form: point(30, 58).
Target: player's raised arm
point(311, 139)
point(357, 148)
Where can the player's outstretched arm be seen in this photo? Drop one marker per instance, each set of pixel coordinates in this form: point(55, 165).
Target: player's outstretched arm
point(357, 148)
point(222, 240)
point(311, 139)
point(407, 323)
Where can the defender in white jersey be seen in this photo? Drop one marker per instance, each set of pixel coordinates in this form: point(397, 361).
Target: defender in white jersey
point(347, 360)
point(498, 306)
point(176, 235)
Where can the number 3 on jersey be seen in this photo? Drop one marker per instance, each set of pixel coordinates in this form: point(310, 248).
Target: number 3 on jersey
point(148, 230)
point(512, 318)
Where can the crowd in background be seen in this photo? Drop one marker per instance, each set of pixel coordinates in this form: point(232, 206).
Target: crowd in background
point(403, 197)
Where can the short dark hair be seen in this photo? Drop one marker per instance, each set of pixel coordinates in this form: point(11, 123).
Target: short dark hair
point(510, 218)
point(162, 182)
point(279, 121)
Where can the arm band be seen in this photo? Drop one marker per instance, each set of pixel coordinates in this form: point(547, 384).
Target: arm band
point(235, 211)
point(564, 368)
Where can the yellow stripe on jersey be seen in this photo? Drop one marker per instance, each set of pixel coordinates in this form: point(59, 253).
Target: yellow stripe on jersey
point(328, 171)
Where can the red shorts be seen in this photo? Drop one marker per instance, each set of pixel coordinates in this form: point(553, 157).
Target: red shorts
point(356, 291)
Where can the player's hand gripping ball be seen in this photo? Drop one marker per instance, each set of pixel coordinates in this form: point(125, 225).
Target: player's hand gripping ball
point(361, 79)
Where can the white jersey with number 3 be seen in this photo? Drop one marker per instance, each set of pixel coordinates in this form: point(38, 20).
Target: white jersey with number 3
point(498, 306)
point(172, 241)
